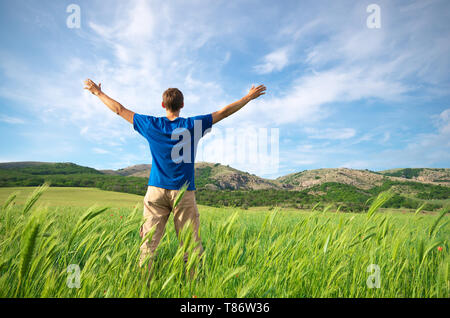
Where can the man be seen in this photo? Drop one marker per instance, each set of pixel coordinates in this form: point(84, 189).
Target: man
point(172, 140)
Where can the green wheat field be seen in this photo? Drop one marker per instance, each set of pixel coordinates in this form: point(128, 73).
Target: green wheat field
point(48, 234)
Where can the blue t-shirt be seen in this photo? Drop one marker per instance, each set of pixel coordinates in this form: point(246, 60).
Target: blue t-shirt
point(173, 145)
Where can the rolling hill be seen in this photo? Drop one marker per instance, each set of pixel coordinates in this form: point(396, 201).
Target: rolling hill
point(46, 168)
point(223, 185)
point(220, 177)
point(362, 179)
point(142, 170)
point(209, 175)
point(215, 176)
point(436, 176)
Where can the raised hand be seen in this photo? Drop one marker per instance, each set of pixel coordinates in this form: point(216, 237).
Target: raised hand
point(226, 111)
point(92, 87)
point(255, 92)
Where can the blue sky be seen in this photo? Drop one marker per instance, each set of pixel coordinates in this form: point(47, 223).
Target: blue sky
point(341, 94)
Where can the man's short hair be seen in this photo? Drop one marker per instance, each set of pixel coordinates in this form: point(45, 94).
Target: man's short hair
point(173, 99)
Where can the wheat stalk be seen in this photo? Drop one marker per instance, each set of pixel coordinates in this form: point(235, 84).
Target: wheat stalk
point(37, 193)
point(30, 237)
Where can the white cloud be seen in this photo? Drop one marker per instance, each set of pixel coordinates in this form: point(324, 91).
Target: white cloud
point(348, 62)
point(274, 61)
point(145, 47)
point(330, 133)
point(227, 57)
point(422, 150)
point(307, 99)
point(151, 48)
point(11, 120)
point(386, 137)
point(84, 130)
point(444, 122)
point(100, 151)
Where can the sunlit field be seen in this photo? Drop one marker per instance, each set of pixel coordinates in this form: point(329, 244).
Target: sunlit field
point(45, 236)
point(73, 197)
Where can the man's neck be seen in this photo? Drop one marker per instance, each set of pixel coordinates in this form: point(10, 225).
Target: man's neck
point(172, 116)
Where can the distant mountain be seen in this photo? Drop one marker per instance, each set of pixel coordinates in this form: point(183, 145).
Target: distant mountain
point(209, 175)
point(215, 176)
point(349, 188)
point(24, 164)
point(142, 170)
point(428, 175)
point(47, 168)
point(362, 179)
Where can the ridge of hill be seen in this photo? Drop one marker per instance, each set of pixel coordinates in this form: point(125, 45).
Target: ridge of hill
point(215, 176)
point(221, 185)
point(362, 179)
point(428, 175)
point(47, 168)
point(141, 170)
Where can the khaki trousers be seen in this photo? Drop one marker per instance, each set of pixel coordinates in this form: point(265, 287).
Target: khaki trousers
point(158, 203)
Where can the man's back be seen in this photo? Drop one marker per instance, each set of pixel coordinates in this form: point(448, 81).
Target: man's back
point(173, 144)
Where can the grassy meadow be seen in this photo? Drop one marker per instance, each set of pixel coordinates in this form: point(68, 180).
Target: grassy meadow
point(73, 197)
point(248, 253)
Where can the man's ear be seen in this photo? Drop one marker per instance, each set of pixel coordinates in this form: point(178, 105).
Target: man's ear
point(182, 105)
point(162, 104)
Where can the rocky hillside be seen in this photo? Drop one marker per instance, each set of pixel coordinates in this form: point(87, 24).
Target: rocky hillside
point(220, 177)
point(427, 175)
point(362, 179)
point(217, 176)
point(210, 176)
point(347, 188)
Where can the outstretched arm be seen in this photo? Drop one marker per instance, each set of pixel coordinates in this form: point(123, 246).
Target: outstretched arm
point(254, 92)
point(108, 101)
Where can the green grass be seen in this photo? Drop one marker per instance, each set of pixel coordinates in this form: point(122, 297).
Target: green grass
point(74, 197)
point(248, 253)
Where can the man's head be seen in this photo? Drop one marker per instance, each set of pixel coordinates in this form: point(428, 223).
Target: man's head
point(173, 99)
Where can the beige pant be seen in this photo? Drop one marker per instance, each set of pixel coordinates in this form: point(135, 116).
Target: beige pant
point(158, 203)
